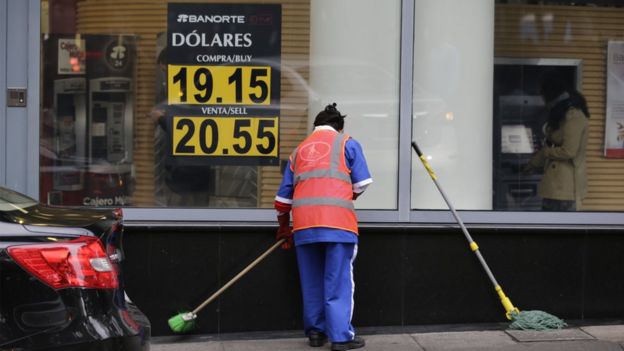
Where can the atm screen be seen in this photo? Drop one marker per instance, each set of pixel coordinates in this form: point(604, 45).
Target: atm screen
point(517, 139)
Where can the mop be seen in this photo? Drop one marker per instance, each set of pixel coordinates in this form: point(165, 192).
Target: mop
point(525, 320)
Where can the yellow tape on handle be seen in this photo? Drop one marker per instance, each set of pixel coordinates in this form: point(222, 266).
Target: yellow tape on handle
point(429, 169)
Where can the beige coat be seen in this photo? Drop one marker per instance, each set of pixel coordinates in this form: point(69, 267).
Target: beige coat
point(564, 163)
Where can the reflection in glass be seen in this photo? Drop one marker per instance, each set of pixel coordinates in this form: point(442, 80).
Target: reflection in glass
point(105, 131)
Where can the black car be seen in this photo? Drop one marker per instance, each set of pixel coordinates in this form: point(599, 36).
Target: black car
point(61, 283)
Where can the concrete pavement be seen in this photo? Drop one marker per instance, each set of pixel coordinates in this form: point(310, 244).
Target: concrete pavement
point(598, 337)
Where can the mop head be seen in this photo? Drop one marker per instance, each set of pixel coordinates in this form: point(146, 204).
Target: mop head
point(182, 322)
point(535, 320)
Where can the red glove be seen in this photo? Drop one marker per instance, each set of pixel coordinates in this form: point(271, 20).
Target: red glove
point(284, 231)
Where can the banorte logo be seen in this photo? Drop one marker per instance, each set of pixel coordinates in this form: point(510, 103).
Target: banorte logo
point(194, 18)
point(117, 54)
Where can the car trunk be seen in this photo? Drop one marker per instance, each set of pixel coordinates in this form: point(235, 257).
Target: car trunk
point(32, 309)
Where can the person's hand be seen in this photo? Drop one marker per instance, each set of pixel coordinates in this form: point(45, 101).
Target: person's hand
point(156, 114)
point(284, 231)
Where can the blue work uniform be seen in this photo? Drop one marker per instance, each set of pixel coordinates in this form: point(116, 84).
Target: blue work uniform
point(325, 258)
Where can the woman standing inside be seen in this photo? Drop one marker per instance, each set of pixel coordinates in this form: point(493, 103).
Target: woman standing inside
point(562, 157)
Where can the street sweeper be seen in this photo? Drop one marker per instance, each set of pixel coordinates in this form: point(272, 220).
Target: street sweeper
point(324, 174)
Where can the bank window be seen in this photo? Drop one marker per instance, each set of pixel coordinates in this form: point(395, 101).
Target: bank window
point(528, 117)
point(199, 103)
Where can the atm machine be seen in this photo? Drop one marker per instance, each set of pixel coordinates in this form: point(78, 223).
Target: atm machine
point(63, 120)
point(520, 119)
point(519, 116)
point(110, 119)
point(111, 106)
point(69, 125)
point(87, 117)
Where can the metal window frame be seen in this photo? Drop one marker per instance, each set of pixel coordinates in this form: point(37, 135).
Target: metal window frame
point(33, 97)
point(19, 68)
point(16, 141)
point(230, 217)
point(3, 102)
point(402, 216)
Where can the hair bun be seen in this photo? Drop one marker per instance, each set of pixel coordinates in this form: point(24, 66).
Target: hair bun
point(330, 115)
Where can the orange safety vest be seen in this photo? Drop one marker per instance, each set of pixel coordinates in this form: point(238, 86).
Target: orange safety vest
point(323, 195)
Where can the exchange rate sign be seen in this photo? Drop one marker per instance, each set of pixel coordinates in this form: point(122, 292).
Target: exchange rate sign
point(223, 83)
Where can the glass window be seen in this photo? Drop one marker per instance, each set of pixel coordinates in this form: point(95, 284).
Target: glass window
point(528, 108)
point(347, 67)
point(199, 103)
point(452, 119)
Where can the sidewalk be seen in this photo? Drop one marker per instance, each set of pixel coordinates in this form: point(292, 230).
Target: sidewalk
point(597, 337)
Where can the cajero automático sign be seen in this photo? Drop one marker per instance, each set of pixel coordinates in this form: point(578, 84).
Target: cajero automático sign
point(223, 83)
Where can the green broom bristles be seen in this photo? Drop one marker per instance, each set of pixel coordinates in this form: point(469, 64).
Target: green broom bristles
point(535, 320)
point(182, 322)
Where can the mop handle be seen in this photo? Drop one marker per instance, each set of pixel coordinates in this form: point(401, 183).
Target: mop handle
point(473, 244)
point(238, 276)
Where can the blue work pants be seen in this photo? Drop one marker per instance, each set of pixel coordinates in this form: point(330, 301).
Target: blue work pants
point(326, 273)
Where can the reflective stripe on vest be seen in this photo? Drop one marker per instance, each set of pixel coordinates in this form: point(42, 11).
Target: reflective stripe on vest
point(323, 189)
point(332, 201)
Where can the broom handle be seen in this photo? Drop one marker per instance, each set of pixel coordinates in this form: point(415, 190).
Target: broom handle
point(473, 245)
point(238, 276)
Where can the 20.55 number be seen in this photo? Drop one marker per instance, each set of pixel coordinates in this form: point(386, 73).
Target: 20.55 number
point(225, 136)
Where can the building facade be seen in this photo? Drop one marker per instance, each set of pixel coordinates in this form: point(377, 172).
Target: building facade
point(183, 113)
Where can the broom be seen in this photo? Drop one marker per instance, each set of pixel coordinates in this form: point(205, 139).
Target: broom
point(533, 320)
point(185, 321)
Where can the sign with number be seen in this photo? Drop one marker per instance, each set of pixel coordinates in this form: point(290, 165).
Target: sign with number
point(223, 83)
point(223, 136)
point(220, 85)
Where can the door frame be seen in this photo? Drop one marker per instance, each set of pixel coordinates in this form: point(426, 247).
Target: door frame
point(19, 68)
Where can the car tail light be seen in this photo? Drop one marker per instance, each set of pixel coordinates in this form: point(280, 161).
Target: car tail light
point(79, 263)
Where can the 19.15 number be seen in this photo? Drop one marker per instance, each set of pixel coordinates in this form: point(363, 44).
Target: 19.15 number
point(256, 90)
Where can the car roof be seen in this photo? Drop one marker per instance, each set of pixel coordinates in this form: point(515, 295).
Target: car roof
point(11, 200)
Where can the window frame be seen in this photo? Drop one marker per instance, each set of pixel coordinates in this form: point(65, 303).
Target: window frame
point(402, 216)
